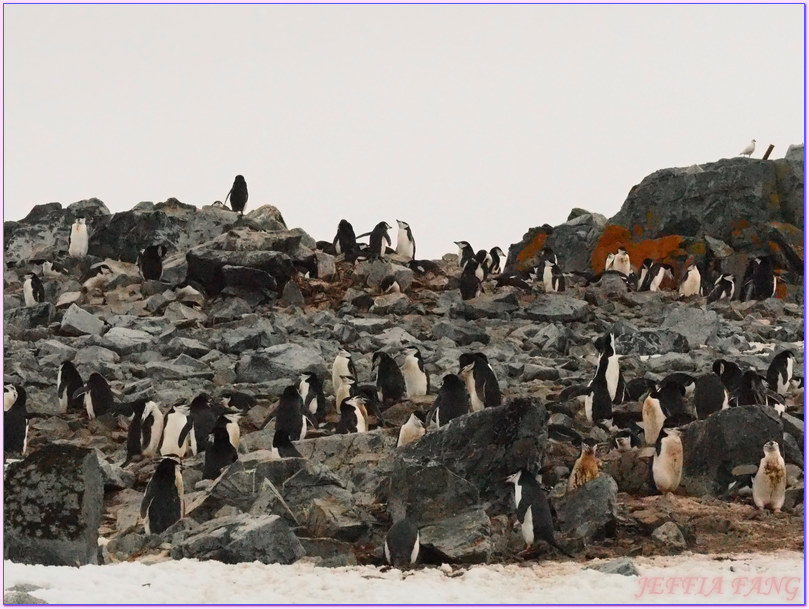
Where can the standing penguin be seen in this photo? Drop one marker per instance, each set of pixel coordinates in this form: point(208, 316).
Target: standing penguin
point(769, 485)
point(470, 284)
point(653, 417)
point(405, 244)
point(533, 510)
point(621, 262)
point(586, 466)
point(68, 382)
point(289, 414)
point(178, 433)
point(203, 420)
point(162, 503)
point(779, 373)
point(412, 430)
point(379, 241)
point(710, 396)
point(497, 258)
point(759, 281)
point(347, 390)
point(417, 381)
point(465, 253)
point(314, 400)
point(402, 543)
point(597, 402)
point(723, 288)
point(552, 277)
point(451, 402)
point(79, 239)
point(390, 383)
point(667, 464)
point(15, 420)
point(343, 366)
point(481, 383)
point(238, 195)
point(345, 241)
point(691, 285)
point(220, 454)
point(98, 398)
point(657, 273)
point(32, 290)
point(645, 267)
point(145, 430)
point(353, 416)
point(150, 262)
point(729, 373)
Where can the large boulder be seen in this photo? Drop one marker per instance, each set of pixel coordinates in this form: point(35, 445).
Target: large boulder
point(714, 198)
point(714, 446)
point(241, 538)
point(590, 512)
point(53, 505)
point(287, 360)
point(482, 448)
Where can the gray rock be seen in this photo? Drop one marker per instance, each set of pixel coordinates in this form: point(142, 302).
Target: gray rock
point(21, 598)
point(493, 306)
point(557, 307)
point(377, 270)
point(460, 332)
point(589, 512)
point(326, 267)
point(257, 334)
point(280, 361)
point(712, 447)
point(429, 493)
point(698, 325)
point(53, 505)
point(189, 346)
point(618, 566)
point(25, 318)
point(651, 342)
point(670, 361)
point(291, 294)
point(242, 538)
point(126, 340)
point(330, 552)
point(670, 535)
point(483, 448)
point(77, 321)
point(461, 538)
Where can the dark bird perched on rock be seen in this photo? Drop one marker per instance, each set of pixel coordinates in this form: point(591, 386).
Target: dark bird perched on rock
point(150, 262)
point(314, 400)
point(759, 281)
point(390, 382)
point(465, 253)
point(98, 397)
point(481, 382)
point(238, 195)
point(497, 259)
point(32, 290)
point(657, 273)
point(345, 241)
point(162, 503)
point(533, 510)
point(15, 420)
point(710, 395)
point(470, 284)
point(723, 288)
point(289, 414)
point(219, 454)
point(779, 373)
point(379, 240)
point(402, 543)
point(451, 402)
point(204, 419)
point(68, 382)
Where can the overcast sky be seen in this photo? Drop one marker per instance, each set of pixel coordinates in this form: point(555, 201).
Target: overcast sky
point(469, 122)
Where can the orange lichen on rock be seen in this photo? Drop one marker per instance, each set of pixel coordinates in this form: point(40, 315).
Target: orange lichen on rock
point(527, 253)
point(664, 249)
point(780, 289)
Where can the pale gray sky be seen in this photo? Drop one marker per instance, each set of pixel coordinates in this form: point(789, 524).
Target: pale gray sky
point(469, 122)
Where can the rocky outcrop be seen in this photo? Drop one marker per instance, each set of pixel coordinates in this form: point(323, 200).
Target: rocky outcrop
point(52, 505)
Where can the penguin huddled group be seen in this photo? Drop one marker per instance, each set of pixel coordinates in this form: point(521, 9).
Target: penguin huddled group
point(477, 267)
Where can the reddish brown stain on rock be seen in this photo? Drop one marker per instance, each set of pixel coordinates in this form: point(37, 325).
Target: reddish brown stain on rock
point(529, 251)
point(665, 249)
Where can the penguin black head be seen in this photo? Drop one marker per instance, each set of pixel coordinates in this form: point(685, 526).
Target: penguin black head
point(588, 445)
point(168, 465)
point(402, 224)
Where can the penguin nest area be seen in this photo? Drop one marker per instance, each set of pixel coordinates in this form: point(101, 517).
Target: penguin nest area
point(249, 402)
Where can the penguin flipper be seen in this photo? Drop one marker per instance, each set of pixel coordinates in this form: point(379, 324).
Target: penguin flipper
point(148, 497)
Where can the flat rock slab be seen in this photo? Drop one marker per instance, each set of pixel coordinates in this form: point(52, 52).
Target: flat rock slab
point(77, 321)
point(556, 307)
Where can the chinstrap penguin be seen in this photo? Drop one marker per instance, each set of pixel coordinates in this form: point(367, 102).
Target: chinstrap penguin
point(412, 430)
point(68, 382)
point(79, 239)
point(32, 290)
point(238, 195)
point(667, 464)
point(405, 244)
point(150, 262)
point(15, 420)
point(533, 510)
point(402, 543)
point(769, 485)
point(417, 380)
point(390, 383)
point(162, 503)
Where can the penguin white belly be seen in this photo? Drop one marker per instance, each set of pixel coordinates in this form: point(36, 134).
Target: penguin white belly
point(157, 432)
point(621, 264)
point(88, 405)
point(409, 433)
point(588, 407)
point(171, 436)
point(528, 526)
point(28, 293)
point(362, 424)
point(25, 442)
point(63, 395)
point(769, 484)
point(690, 287)
point(178, 482)
point(339, 369)
point(726, 401)
point(9, 397)
point(653, 419)
point(667, 467)
point(517, 495)
point(275, 454)
point(78, 242)
point(654, 286)
point(148, 529)
point(783, 386)
point(415, 379)
point(404, 247)
point(301, 437)
point(235, 436)
point(612, 373)
point(415, 553)
point(387, 552)
point(547, 279)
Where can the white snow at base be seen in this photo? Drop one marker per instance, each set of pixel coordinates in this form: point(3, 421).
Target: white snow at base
point(738, 579)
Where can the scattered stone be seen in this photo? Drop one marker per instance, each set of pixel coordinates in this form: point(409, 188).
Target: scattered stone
point(670, 535)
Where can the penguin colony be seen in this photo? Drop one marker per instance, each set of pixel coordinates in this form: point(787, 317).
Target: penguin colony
point(169, 435)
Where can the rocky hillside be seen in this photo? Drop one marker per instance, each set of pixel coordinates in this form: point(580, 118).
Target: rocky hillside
point(271, 305)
